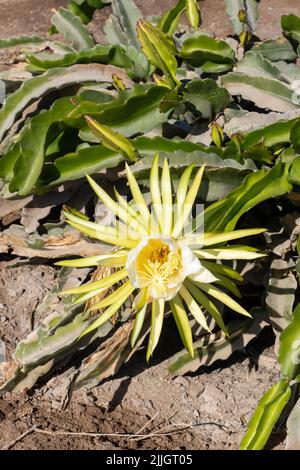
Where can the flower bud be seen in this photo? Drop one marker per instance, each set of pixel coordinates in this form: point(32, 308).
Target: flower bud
point(242, 16)
point(117, 83)
point(159, 49)
point(112, 140)
point(193, 13)
point(245, 37)
point(217, 134)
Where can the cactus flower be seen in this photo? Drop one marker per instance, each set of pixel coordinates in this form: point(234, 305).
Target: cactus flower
point(155, 263)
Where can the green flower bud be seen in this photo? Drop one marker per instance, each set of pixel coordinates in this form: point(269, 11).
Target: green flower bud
point(242, 16)
point(117, 82)
point(159, 50)
point(193, 12)
point(217, 134)
point(245, 37)
point(112, 140)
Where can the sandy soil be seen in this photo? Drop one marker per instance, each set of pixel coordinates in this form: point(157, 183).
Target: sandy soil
point(214, 403)
point(26, 17)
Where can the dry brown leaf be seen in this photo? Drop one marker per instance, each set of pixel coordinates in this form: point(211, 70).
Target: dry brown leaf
point(100, 273)
point(68, 239)
point(19, 247)
point(7, 206)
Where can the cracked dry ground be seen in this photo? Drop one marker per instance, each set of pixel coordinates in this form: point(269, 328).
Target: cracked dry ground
point(207, 410)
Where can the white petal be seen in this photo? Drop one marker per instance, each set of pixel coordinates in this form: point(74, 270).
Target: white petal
point(204, 275)
point(193, 267)
point(167, 294)
point(190, 262)
point(131, 262)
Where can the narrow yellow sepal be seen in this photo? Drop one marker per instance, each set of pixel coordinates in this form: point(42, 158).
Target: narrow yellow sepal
point(138, 325)
point(215, 238)
point(113, 260)
point(122, 242)
point(140, 300)
point(227, 253)
point(157, 317)
point(138, 197)
point(155, 191)
point(189, 201)
point(127, 207)
point(104, 283)
point(105, 316)
point(126, 288)
point(183, 324)
point(180, 198)
point(224, 298)
point(167, 202)
point(194, 308)
point(124, 215)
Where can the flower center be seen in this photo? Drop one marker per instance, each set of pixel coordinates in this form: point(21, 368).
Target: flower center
point(159, 265)
point(156, 264)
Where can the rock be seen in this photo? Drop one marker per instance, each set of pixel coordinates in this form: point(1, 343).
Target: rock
point(183, 381)
point(196, 389)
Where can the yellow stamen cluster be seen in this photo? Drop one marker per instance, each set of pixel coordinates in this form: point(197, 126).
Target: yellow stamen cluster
point(159, 265)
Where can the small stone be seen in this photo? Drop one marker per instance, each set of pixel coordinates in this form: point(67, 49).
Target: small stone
point(137, 403)
point(182, 381)
point(149, 404)
point(195, 390)
point(56, 405)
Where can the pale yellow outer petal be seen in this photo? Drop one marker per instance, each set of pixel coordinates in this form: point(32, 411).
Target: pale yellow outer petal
point(138, 198)
point(126, 288)
point(194, 308)
point(155, 192)
point(116, 208)
point(167, 202)
point(105, 316)
point(227, 253)
point(180, 198)
point(157, 318)
point(189, 201)
point(106, 282)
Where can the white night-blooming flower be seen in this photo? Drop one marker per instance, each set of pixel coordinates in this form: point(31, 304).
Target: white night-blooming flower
point(154, 262)
point(161, 265)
